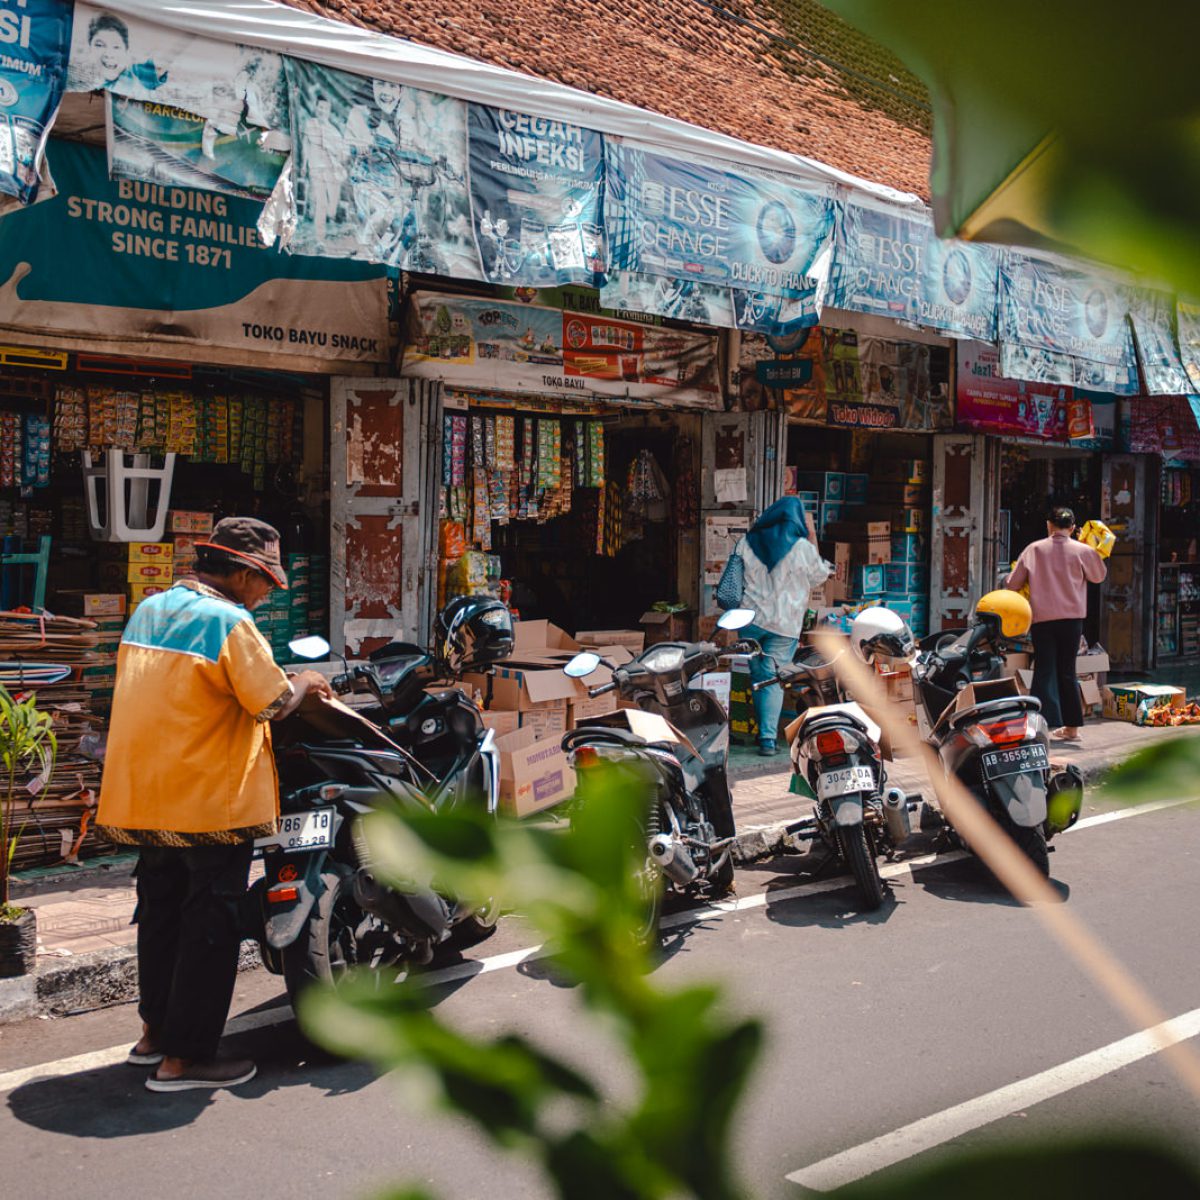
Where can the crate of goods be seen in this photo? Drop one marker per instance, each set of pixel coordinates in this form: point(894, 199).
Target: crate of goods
point(909, 520)
point(828, 485)
point(906, 578)
point(830, 513)
point(909, 547)
point(869, 580)
point(904, 470)
point(869, 541)
point(901, 495)
point(857, 488)
point(138, 592)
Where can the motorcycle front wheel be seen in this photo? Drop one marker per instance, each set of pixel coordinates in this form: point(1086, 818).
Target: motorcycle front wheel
point(855, 846)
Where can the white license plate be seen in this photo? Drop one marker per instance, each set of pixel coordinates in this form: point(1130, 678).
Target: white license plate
point(311, 830)
point(845, 782)
point(1031, 756)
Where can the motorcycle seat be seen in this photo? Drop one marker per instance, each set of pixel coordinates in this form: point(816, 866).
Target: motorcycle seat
point(608, 734)
point(832, 716)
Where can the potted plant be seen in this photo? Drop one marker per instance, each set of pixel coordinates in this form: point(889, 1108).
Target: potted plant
point(27, 742)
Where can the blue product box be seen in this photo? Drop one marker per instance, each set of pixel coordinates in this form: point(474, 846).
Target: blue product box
point(909, 548)
point(905, 578)
point(870, 580)
point(855, 488)
point(810, 500)
point(828, 513)
point(829, 485)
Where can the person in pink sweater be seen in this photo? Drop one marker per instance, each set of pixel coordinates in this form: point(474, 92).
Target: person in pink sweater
point(1058, 569)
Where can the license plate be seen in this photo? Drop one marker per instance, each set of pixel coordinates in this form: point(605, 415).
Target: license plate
point(845, 781)
point(1015, 761)
point(312, 830)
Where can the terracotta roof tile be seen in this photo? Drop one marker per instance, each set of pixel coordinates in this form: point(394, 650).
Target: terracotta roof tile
point(783, 73)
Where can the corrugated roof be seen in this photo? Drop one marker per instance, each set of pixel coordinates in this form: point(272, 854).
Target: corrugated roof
point(787, 74)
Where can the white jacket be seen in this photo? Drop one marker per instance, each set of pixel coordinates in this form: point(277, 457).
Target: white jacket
point(780, 597)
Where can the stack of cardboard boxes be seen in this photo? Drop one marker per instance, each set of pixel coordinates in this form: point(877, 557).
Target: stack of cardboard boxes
point(530, 703)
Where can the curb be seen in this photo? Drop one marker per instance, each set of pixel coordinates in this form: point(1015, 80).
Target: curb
point(63, 987)
point(757, 842)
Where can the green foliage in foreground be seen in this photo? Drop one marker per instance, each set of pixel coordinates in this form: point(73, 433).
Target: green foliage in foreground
point(1166, 770)
point(689, 1060)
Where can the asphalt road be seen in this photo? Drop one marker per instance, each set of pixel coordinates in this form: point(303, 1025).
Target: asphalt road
point(895, 1036)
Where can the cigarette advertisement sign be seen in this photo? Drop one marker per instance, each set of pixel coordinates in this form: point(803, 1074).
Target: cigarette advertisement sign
point(691, 220)
point(497, 345)
point(989, 401)
point(35, 37)
point(140, 262)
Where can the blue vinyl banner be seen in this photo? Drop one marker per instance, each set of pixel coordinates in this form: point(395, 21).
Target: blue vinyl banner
point(536, 190)
point(1187, 314)
point(713, 224)
point(35, 41)
point(889, 262)
point(1152, 314)
point(1055, 319)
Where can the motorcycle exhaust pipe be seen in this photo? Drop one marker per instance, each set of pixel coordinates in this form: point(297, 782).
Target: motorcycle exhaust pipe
point(895, 813)
point(421, 914)
point(674, 861)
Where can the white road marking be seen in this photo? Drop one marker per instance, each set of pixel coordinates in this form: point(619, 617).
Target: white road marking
point(96, 1059)
point(936, 1130)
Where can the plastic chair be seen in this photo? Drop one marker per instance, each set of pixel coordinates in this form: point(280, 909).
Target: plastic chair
point(127, 496)
point(40, 559)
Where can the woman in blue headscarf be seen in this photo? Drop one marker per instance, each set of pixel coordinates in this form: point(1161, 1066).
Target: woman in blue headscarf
point(781, 565)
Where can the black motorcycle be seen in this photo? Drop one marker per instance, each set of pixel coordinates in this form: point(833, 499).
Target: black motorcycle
point(319, 909)
point(676, 742)
point(998, 745)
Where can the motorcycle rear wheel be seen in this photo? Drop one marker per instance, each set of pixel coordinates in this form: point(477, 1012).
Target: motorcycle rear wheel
point(856, 853)
point(327, 946)
point(1032, 843)
point(479, 926)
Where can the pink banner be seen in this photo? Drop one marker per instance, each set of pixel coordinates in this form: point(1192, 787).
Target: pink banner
point(989, 402)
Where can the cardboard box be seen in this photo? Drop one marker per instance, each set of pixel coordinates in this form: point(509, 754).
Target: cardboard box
point(90, 604)
point(909, 547)
point(540, 638)
point(1093, 663)
point(869, 541)
point(718, 683)
point(162, 571)
point(905, 578)
point(133, 552)
point(588, 707)
point(500, 721)
point(634, 640)
point(182, 521)
point(870, 580)
point(667, 627)
point(1122, 700)
point(141, 591)
point(828, 485)
point(1090, 693)
point(855, 488)
point(1015, 661)
point(829, 513)
point(977, 693)
point(534, 773)
point(546, 720)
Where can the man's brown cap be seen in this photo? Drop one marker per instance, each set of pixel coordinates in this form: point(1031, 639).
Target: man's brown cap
point(252, 540)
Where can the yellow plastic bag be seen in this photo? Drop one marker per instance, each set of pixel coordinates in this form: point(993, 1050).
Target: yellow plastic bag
point(1023, 590)
point(1098, 535)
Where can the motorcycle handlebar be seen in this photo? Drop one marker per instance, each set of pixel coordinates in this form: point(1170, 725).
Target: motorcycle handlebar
point(342, 683)
point(602, 689)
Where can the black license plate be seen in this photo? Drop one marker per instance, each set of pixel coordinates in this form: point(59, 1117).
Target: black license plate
point(1015, 761)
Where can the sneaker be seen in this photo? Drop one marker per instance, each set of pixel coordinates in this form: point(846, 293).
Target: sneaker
point(766, 749)
point(220, 1073)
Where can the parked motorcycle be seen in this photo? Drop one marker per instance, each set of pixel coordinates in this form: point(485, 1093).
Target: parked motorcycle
point(677, 743)
point(998, 744)
point(836, 750)
point(319, 909)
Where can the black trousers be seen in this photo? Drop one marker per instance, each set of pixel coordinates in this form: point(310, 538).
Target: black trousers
point(188, 940)
point(1055, 647)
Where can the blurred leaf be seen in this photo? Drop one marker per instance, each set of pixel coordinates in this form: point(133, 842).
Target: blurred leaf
point(1166, 770)
point(1112, 1168)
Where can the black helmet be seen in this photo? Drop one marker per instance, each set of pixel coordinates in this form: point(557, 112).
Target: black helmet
point(473, 632)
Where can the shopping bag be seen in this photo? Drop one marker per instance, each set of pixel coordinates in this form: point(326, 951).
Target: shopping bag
point(1098, 535)
point(732, 585)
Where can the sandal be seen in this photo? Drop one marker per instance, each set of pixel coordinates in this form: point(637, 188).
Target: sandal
point(143, 1058)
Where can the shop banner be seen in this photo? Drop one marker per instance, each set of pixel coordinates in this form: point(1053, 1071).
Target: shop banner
point(1152, 314)
point(379, 173)
point(224, 83)
point(990, 401)
point(156, 143)
point(1188, 317)
point(1167, 426)
point(484, 344)
point(133, 262)
point(35, 38)
point(536, 188)
point(1064, 325)
point(1104, 408)
point(712, 223)
point(889, 262)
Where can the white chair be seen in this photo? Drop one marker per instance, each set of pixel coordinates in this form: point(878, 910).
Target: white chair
point(127, 506)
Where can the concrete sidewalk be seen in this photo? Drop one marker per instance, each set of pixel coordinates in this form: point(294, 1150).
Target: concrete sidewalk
point(86, 941)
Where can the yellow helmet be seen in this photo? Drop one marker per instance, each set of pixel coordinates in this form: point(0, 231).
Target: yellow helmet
point(1011, 607)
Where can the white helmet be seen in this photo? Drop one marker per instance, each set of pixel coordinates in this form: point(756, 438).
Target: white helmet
point(878, 630)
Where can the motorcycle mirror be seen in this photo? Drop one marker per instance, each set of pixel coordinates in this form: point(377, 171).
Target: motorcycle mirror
point(736, 618)
point(582, 664)
point(313, 646)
